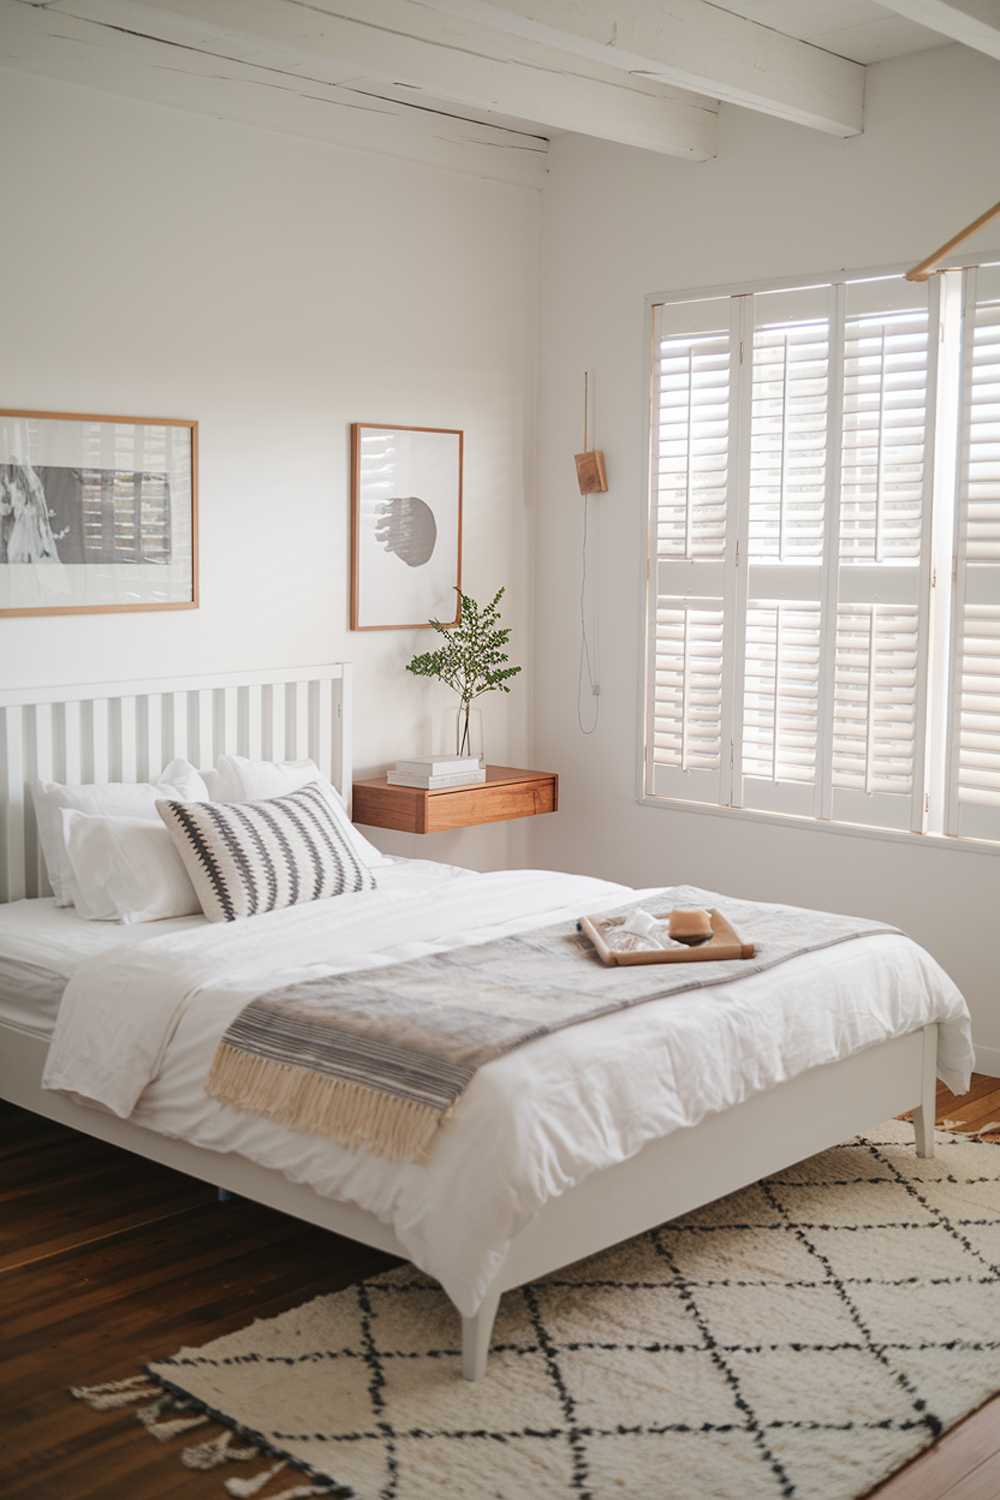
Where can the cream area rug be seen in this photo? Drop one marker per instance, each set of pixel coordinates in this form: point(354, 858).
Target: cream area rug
point(804, 1337)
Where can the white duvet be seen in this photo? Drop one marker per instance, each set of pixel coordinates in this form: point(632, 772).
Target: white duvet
point(137, 1029)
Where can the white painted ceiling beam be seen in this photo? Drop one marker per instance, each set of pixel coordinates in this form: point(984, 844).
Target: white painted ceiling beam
point(419, 52)
point(692, 44)
point(42, 43)
point(976, 23)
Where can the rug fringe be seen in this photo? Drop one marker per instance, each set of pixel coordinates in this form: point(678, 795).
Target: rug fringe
point(959, 1127)
point(109, 1385)
point(301, 1490)
point(210, 1454)
point(163, 1431)
point(114, 1393)
point(352, 1114)
point(215, 1451)
point(149, 1415)
point(243, 1489)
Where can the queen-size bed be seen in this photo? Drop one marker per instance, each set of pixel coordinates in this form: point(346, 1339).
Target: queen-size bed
point(558, 1146)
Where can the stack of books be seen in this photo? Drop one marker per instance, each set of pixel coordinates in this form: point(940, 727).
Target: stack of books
point(438, 772)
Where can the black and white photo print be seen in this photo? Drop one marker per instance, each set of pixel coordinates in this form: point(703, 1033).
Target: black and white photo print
point(407, 526)
point(96, 513)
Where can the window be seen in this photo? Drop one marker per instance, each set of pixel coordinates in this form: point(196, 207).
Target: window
point(824, 586)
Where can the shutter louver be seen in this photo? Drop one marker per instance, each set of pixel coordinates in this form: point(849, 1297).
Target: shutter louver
point(780, 699)
point(692, 447)
point(692, 395)
point(974, 741)
point(687, 713)
point(879, 641)
point(979, 720)
point(875, 704)
point(885, 422)
point(983, 482)
point(788, 442)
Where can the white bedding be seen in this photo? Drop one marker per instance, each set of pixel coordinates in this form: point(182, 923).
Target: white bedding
point(42, 945)
point(136, 1033)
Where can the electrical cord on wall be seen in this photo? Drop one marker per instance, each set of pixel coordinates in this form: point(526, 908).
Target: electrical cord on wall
point(586, 662)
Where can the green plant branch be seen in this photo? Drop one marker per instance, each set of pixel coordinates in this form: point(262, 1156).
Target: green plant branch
point(473, 660)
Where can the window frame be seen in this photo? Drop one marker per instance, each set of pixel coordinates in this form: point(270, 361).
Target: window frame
point(649, 555)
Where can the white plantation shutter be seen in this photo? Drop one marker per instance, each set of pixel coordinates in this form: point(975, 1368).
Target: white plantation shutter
point(875, 679)
point(780, 699)
point(977, 748)
point(692, 445)
point(885, 419)
point(687, 695)
point(973, 772)
point(788, 438)
point(880, 637)
point(692, 459)
point(799, 570)
point(792, 458)
point(789, 477)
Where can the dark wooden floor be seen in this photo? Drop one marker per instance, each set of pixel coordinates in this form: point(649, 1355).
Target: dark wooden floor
point(107, 1260)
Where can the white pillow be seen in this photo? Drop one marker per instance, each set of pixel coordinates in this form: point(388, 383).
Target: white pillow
point(126, 869)
point(237, 779)
point(115, 799)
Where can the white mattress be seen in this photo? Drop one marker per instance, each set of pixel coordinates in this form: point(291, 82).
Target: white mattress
point(42, 945)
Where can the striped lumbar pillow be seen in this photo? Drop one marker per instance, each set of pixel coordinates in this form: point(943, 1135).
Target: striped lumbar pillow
point(245, 858)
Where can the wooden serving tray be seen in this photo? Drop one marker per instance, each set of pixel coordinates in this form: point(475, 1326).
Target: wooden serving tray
point(724, 943)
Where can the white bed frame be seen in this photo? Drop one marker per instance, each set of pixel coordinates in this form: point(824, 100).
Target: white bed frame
point(129, 730)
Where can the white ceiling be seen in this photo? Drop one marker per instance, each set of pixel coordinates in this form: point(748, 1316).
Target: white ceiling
point(483, 85)
point(384, 75)
point(859, 29)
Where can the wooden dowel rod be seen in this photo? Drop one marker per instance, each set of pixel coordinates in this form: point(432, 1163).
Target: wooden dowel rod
point(923, 271)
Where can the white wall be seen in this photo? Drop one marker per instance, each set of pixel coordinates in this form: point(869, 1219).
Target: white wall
point(618, 224)
point(159, 263)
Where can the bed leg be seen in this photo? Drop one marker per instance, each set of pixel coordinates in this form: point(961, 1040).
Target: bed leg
point(476, 1335)
point(923, 1115)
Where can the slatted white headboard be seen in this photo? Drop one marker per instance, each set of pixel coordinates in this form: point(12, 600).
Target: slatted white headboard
point(128, 731)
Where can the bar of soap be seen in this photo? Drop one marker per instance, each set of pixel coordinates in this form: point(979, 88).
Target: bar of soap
point(690, 926)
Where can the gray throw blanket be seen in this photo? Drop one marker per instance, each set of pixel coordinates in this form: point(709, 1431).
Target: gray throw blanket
point(379, 1058)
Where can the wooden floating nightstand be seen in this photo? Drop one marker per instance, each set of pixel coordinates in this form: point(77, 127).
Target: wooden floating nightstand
point(506, 793)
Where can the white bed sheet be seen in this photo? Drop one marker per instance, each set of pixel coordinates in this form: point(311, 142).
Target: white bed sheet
point(42, 945)
point(533, 1123)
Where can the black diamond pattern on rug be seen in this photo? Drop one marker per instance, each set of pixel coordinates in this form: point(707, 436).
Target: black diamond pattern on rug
point(801, 1338)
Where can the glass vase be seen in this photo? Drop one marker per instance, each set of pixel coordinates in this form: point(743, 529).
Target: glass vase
point(465, 733)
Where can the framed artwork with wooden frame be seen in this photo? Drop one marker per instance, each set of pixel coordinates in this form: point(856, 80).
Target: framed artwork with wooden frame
point(98, 514)
point(406, 526)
